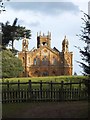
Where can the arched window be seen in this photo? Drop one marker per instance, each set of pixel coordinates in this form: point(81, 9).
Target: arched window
point(44, 61)
point(23, 60)
point(54, 61)
point(34, 62)
point(37, 73)
point(38, 61)
point(45, 73)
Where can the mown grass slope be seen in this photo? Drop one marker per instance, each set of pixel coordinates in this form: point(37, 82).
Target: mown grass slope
point(43, 79)
point(46, 79)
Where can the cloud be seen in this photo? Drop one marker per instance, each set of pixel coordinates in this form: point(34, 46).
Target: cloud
point(51, 8)
point(31, 23)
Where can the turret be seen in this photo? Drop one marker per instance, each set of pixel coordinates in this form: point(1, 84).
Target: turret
point(25, 44)
point(65, 44)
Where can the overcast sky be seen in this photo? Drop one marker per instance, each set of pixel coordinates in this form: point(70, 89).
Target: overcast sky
point(60, 18)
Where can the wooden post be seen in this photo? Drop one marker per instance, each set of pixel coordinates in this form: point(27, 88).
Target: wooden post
point(70, 85)
point(18, 84)
point(70, 91)
point(18, 90)
point(79, 89)
point(7, 85)
point(7, 91)
point(30, 85)
point(51, 88)
point(30, 89)
point(41, 89)
point(62, 83)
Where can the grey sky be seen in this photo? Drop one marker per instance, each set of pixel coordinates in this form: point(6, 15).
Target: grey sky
point(52, 8)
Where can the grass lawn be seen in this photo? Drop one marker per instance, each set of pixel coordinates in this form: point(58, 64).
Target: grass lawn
point(49, 78)
point(74, 109)
point(44, 79)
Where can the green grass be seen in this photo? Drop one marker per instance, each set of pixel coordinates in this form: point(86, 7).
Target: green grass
point(44, 79)
point(51, 78)
point(73, 109)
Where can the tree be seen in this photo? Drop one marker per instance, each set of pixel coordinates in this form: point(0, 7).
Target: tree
point(11, 65)
point(13, 32)
point(85, 52)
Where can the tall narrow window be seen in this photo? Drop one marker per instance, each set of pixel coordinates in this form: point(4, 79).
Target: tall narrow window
point(38, 61)
point(23, 60)
point(54, 61)
point(28, 59)
point(44, 61)
point(35, 62)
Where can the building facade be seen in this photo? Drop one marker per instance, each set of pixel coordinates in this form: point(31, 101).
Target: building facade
point(45, 61)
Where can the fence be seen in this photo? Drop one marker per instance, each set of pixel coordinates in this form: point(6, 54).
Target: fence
point(57, 91)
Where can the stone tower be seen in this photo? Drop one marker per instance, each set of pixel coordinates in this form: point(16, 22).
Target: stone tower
point(67, 57)
point(43, 40)
point(25, 44)
point(24, 55)
point(65, 44)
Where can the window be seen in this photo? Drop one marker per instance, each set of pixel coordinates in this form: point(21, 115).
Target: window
point(44, 43)
point(37, 73)
point(28, 59)
point(23, 60)
point(36, 61)
point(45, 73)
point(44, 61)
point(54, 61)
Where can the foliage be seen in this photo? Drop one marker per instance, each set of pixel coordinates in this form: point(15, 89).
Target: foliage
point(85, 53)
point(11, 65)
point(13, 32)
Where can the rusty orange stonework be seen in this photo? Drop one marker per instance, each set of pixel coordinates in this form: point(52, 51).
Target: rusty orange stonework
point(45, 61)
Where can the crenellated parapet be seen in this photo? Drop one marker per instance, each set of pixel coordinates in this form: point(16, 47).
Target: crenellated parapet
point(43, 39)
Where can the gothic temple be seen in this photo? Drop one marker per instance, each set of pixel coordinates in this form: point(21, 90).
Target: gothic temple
point(45, 61)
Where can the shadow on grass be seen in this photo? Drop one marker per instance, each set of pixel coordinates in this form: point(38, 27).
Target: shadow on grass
point(74, 109)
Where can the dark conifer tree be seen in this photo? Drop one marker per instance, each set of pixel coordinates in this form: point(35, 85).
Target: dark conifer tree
point(13, 32)
point(85, 52)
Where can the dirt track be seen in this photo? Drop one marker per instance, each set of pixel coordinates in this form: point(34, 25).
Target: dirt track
point(50, 110)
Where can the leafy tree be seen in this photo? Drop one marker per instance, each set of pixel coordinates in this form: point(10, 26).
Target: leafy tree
point(11, 65)
point(13, 32)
